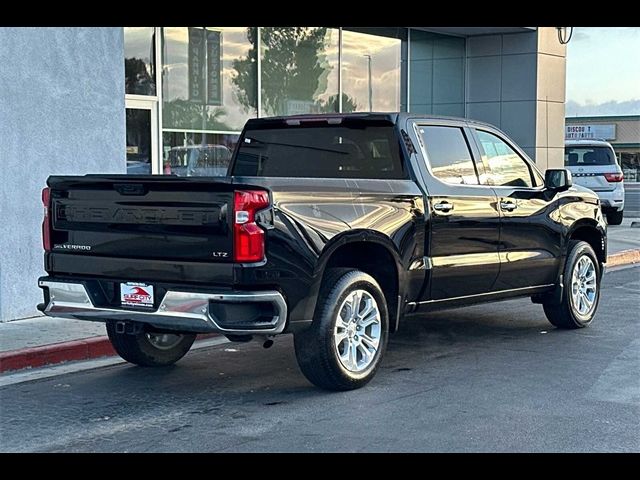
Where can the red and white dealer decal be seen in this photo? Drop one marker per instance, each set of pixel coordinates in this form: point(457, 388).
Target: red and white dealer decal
point(136, 294)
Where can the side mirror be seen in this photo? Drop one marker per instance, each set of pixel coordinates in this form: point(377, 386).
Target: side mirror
point(558, 179)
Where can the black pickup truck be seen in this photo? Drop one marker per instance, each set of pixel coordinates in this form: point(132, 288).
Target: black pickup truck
point(330, 227)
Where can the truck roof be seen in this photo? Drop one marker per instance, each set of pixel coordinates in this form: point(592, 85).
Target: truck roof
point(391, 117)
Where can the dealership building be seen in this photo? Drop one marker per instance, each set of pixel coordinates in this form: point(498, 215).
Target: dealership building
point(622, 132)
point(144, 99)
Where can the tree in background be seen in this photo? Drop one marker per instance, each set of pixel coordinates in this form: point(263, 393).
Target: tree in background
point(137, 78)
point(294, 67)
point(180, 113)
point(331, 105)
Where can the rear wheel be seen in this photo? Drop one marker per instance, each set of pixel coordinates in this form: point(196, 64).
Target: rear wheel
point(581, 289)
point(615, 218)
point(343, 347)
point(149, 349)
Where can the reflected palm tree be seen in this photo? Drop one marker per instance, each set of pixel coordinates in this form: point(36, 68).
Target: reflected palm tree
point(180, 113)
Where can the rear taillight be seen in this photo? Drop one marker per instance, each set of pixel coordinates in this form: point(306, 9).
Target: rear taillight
point(614, 177)
point(46, 221)
point(248, 236)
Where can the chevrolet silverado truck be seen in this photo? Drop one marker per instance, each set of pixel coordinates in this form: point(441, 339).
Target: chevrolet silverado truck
point(333, 228)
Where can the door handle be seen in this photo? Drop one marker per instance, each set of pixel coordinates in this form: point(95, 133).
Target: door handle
point(507, 205)
point(444, 207)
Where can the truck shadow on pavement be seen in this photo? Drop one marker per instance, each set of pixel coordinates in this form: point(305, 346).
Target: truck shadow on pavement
point(238, 370)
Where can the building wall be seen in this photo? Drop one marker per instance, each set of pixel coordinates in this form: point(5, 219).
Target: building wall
point(436, 65)
point(61, 112)
point(516, 81)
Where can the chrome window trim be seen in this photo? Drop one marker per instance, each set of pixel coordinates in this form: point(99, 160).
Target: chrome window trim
point(423, 151)
point(525, 158)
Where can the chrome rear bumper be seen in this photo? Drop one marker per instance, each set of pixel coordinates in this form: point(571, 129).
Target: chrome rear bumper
point(180, 311)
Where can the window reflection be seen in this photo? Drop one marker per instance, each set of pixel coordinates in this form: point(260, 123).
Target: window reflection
point(139, 53)
point(505, 165)
point(220, 95)
point(448, 155)
point(299, 70)
point(193, 154)
point(371, 72)
point(138, 127)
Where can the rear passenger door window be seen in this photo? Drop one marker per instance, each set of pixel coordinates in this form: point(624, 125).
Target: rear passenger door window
point(505, 167)
point(448, 155)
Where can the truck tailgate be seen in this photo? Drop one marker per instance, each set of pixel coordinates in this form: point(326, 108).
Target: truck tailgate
point(143, 217)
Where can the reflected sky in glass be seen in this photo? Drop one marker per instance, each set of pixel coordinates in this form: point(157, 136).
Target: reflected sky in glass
point(138, 53)
point(385, 72)
point(235, 45)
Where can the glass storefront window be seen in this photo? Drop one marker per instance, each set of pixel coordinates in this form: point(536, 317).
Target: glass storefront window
point(139, 65)
point(299, 70)
point(138, 124)
point(371, 70)
point(630, 164)
point(208, 78)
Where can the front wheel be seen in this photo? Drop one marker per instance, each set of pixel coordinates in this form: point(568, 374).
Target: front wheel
point(149, 349)
point(343, 348)
point(581, 289)
point(615, 218)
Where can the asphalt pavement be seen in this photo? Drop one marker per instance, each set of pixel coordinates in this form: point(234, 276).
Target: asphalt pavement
point(632, 200)
point(488, 378)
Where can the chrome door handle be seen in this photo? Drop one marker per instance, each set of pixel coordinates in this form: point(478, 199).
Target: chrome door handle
point(508, 206)
point(443, 207)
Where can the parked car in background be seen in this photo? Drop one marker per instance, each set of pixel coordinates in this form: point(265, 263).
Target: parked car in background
point(198, 161)
point(593, 164)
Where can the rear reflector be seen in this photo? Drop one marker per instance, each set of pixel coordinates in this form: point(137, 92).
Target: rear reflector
point(614, 177)
point(46, 221)
point(248, 236)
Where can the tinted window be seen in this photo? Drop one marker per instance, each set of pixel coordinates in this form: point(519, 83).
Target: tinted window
point(506, 167)
point(198, 161)
point(588, 155)
point(448, 154)
point(354, 151)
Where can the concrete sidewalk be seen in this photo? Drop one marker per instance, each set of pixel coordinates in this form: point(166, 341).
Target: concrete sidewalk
point(40, 341)
point(623, 237)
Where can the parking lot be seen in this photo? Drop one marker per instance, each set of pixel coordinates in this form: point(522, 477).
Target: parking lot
point(487, 378)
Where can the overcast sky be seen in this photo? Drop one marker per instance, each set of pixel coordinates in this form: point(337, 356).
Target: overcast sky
point(603, 71)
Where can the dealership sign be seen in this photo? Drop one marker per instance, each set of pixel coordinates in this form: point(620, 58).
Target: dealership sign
point(580, 132)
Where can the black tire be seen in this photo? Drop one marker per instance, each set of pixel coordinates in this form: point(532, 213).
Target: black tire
point(615, 218)
point(565, 314)
point(140, 350)
point(316, 349)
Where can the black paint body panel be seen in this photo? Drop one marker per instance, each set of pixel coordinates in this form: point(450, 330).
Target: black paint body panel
point(167, 230)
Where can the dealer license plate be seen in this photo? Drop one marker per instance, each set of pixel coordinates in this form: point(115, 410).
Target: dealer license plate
point(136, 294)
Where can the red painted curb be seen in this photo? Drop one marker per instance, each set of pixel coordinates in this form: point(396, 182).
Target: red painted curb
point(83, 349)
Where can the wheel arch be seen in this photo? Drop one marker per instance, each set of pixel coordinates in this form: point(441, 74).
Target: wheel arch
point(372, 253)
point(588, 231)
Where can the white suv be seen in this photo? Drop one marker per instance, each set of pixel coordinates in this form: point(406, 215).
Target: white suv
point(593, 165)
